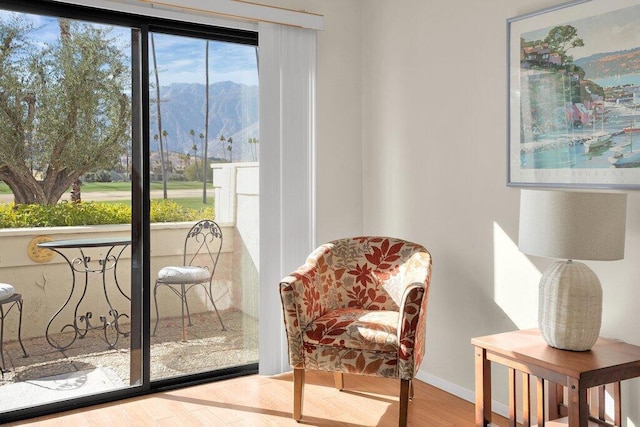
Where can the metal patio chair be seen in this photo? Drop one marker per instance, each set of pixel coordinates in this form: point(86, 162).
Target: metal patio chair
point(202, 247)
point(8, 296)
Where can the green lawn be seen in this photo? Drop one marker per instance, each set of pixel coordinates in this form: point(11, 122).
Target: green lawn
point(124, 186)
point(4, 189)
point(187, 202)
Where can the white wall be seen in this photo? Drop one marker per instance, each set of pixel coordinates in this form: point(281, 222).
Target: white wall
point(434, 138)
point(339, 133)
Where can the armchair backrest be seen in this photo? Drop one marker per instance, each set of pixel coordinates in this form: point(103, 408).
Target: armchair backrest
point(368, 272)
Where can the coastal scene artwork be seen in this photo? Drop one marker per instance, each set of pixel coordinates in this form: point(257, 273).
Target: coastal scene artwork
point(574, 96)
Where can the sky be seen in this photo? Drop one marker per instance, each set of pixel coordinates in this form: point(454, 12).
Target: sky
point(608, 32)
point(180, 59)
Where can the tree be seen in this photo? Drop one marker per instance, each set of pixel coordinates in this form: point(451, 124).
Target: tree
point(230, 148)
point(192, 173)
point(63, 108)
point(185, 160)
point(165, 138)
point(223, 140)
point(159, 117)
point(194, 147)
point(205, 151)
point(563, 38)
point(253, 147)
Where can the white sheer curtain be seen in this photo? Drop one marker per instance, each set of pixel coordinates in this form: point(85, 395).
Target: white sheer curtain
point(287, 137)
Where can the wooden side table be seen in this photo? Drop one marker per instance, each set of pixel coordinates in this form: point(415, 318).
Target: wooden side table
point(608, 362)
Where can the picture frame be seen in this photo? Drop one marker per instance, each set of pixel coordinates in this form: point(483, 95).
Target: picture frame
point(574, 96)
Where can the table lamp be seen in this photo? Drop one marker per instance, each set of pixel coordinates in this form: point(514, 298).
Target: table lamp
point(571, 225)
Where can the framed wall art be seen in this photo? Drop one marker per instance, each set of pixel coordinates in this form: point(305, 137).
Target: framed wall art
point(574, 96)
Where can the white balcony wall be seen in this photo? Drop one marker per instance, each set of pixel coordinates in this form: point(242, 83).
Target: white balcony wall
point(236, 194)
point(45, 286)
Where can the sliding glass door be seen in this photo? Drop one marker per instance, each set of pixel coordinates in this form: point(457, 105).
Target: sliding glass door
point(203, 162)
point(128, 146)
point(65, 138)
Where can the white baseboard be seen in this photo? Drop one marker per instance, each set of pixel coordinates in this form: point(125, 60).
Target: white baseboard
point(461, 392)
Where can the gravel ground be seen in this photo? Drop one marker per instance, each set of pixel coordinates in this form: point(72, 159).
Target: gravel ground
point(207, 348)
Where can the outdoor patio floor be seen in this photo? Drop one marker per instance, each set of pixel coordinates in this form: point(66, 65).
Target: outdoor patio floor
point(208, 348)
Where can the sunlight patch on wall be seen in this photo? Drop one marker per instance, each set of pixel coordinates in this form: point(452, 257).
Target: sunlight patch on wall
point(609, 405)
point(515, 281)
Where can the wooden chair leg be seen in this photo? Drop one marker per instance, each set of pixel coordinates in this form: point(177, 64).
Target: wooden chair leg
point(339, 380)
point(404, 402)
point(298, 393)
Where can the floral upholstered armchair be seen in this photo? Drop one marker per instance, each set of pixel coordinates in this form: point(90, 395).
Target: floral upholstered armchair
point(358, 306)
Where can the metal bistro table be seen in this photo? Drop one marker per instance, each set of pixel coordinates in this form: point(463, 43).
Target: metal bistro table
point(83, 264)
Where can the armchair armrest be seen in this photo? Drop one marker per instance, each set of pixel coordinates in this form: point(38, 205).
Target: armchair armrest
point(291, 323)
point(300, 305)
point(413, 315)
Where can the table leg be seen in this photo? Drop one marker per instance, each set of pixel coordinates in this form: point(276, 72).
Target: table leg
point(555, 396)
point(617, 404)
point(74, 325)
point(540, 402)
point(483, 388)
point(578, 408)
point(512, 397)
point(526, 400)
point(600, 392)
point(110, 262)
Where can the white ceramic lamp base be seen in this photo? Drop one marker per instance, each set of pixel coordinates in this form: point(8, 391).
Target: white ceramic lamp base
point(570, 306)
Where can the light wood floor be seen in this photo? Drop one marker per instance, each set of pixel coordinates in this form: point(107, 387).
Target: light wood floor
point(267, 401)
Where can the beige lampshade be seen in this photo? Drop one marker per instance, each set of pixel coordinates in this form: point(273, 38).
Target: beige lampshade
point(572, 225)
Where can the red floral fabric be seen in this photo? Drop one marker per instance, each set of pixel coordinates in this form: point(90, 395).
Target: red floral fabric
point(358, 305)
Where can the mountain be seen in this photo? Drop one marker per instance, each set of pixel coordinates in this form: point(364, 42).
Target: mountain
point(610, 63)
point(233, 112)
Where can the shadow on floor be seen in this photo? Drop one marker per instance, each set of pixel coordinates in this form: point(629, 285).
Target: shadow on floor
point(208, 348)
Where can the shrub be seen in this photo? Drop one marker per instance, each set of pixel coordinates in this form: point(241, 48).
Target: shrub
point(103, 176)
point(92, 213)
point(168, 211)
point(177, 177)
point(195, 174)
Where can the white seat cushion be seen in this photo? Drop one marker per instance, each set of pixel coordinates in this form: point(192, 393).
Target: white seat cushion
point(183, 274)
point(6, 290)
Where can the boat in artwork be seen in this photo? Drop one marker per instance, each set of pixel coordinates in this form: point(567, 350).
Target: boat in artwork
point(629, 160)
point(597, 139)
